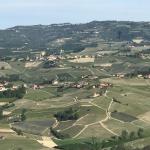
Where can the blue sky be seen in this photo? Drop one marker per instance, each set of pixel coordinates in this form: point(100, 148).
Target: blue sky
point(30, 12)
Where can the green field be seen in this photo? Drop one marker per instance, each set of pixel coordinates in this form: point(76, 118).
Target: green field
point(125, 105)
point(37, 95)
point(16, 143)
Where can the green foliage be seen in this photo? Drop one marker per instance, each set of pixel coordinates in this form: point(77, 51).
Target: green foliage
point(23, 117)
point(1, 113)
point(132, 135)
point(49, 64)
point(114, 143)
point(10, 78)
point(124, 135)
point(65, 77)
point(94, 144)
point(79, 36)
point(140, 132)
point(19, 132)
point(8, 105)
point(18, 93)
point(69, 114)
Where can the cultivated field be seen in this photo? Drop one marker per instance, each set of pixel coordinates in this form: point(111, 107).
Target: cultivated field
point(82, 60)
point(32, 64)
point(122, 106)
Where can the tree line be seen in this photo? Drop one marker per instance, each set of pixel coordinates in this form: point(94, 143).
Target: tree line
point(113, 143)
point(18, 93)
point(116, 142)
point(69, 114)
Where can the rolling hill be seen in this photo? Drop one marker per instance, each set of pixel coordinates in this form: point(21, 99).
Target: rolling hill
point(70, 37)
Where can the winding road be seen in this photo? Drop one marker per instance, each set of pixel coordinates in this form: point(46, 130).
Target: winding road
point(108, 116)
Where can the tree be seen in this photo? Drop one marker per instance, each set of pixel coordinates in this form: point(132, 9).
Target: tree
point(146, 147)
point(140, 132)
point(1, 113)
point(119, 35)
point(124, 135)
point(121, 147)
point(132, 135)
point(18, 131)
point(19, 148)
point(2, 68)
point(23, 117)
point(68, 114)
point(94, 144)
point(18, 93)
point(114, 138)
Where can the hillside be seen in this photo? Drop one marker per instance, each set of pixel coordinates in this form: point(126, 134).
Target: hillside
point(70, 37)
point(94, 93)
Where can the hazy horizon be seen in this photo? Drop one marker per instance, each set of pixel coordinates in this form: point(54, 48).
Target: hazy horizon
point(45, 12)
point(69, 23)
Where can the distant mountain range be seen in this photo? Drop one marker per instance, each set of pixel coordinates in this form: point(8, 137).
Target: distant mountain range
point(70, 37)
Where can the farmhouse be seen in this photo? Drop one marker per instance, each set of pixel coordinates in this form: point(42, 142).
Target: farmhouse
point(69, 57)
point(2, 88)
point(80, 84)
point(84, 76)
point(6, 113)
point(120, 75)
point(43, 53)
point(14, 87)
point(105, 85)
point(140, 76)
point(67, 84)
point(95, 95)
point(55, 82)
point(2, 137)
point(16, 118)
point(93, 77)
point(1, 85)
point(35, 86)
point(138, 40)
point(51, 58)
point(147, 76)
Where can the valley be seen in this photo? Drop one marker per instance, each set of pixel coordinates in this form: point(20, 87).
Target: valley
point(60, 100)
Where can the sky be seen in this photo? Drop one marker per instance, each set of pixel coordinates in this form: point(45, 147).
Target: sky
point(32, 12)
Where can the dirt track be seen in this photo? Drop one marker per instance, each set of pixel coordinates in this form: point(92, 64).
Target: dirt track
point(6, 130)
point(47, 142)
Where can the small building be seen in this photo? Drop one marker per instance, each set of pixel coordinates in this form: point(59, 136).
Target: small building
point(35, 86)
point(105, 85)
point(2, 137)
point(120, 75)
point(25, 85)
point(147, 76)
point(96, 95)
point(1, 85)
point(51, 58)
point(14, 87)
point(138, 40)
point(2, 88)
point(16, 118)
point(43, 53)
point(55, 82)
point(140, 76)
